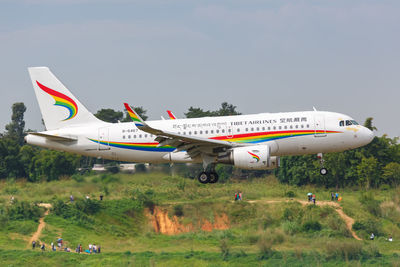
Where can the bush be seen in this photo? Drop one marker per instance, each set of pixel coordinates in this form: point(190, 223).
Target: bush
point(23, 210)
point(290, 227)
point(78, 178)
point(368, 227)
point(224, 247)
point(369, 202)
point(178, 210)
point(311, 226)
point(344, 250)
point(290, 194)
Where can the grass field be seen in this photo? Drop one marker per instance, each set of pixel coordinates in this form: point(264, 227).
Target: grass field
point(269, 227)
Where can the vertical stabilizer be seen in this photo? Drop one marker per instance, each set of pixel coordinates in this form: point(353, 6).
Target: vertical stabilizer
point(58, 106)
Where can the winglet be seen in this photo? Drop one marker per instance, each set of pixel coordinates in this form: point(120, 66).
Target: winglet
point(134, 116)
point(171, 115)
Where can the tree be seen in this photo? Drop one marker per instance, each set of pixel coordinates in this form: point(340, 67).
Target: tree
point(368, 124)
point(367, 172)
point(15, 129)
point(391, 173)
point(198, 113)
point(227, 110)
point(109, 115)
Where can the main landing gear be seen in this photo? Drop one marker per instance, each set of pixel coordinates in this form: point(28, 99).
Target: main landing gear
point(323, 170)
point(208, 177)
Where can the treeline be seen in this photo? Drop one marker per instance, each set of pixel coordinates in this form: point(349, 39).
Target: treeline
point(370, 166)
point(373, 165)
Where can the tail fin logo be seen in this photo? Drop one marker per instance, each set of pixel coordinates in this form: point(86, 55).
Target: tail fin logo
point(62, 101)
point(254, 156)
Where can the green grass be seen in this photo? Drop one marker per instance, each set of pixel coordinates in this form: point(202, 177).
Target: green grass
point(122, 228)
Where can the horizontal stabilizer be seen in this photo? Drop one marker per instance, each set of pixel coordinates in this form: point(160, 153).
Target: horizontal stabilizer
point(55, 137)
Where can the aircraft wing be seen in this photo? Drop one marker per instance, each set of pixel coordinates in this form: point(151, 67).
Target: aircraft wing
point(193, 145)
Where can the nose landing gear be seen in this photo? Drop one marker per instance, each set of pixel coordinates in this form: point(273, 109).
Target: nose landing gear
point(323, 170)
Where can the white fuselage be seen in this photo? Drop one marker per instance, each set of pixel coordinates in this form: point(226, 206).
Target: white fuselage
point(292, 133)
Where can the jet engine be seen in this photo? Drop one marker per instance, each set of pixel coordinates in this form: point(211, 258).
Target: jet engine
point(251, 158)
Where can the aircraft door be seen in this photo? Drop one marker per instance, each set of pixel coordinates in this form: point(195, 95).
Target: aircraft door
point(104, 134)
point(319, 125)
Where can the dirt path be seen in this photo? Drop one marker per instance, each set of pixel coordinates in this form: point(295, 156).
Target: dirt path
point(41, 225)
point(348, 220)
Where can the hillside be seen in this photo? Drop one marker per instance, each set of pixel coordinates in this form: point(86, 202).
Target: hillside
point(154, 219)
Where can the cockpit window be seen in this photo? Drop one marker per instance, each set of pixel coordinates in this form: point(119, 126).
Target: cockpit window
point(341, 123)
point(354, 122)
point(348, 123)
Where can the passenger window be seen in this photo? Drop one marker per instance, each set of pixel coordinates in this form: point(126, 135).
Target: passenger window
point(223, 131)
point(269, 128)
point(285, 127)
point(123, 137)
point(280, 127)
point(263, 128)
point(274, 128)
point(190, 133)
point(129, 136)
point(258, 129)
point(201, 132)
point(140, 136)
point(291, 126)
point(217, 131)
point(212, 131)
point(195, 132)
point(145, 135)
point(206, 131)
point(341, 123)
point(302, 126)
point(238, 130)
point(252, 129)
point(297, 126)
point(247, 129)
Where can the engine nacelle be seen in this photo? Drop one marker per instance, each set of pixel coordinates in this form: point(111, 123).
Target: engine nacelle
point(251, 158)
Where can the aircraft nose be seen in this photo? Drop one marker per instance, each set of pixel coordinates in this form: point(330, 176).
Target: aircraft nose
point(368, 135)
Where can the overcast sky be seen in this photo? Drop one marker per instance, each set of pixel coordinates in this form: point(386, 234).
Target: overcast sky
point(262, 56)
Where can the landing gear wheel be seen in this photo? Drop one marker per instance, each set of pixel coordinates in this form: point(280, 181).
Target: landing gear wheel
point(213, 177)
point(323, 171)
point(204, 178)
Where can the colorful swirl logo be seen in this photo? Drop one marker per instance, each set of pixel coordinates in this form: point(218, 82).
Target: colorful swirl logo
point(254, 156)
point(61, 100)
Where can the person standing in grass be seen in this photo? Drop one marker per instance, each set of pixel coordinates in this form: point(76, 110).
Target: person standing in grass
point(71, 198)
point(33, 244)
point(99, 249)
point(336, 196)
point(332, 196)
point(313, 198)
point(43, 247)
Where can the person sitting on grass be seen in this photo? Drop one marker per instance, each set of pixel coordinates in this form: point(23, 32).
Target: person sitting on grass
point(372, 237)
point(390, 239)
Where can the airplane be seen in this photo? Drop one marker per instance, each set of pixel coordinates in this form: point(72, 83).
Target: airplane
point(254, 142)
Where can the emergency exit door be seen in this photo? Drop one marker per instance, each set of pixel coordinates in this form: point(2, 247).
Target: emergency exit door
point(319, 126)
